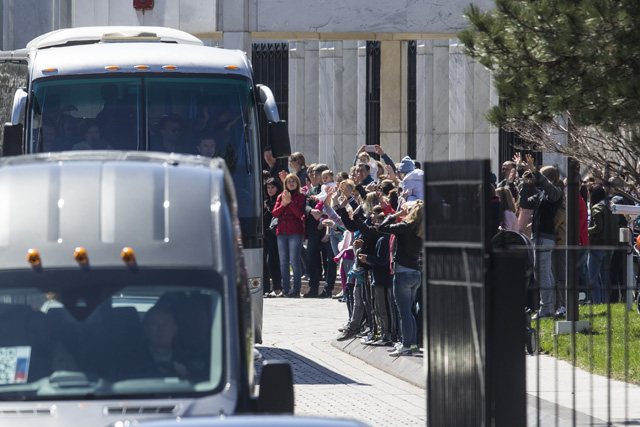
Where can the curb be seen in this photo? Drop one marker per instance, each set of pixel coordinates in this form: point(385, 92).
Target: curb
point(408, 368)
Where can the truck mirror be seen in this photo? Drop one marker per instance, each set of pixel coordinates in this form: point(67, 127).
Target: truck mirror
point(276, 388)
point(12, 140)
point(279, 139)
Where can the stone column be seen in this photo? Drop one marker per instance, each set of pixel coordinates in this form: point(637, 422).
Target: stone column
point(457, 103)
point(296, 94)
point(327, 102)
point(304, 98)
point(311, 102)
point(393, 96)
point(440, 78)
point(233, 20)
point(485, 137)
point(6, 43)
point(424, 100)
point(350, 104)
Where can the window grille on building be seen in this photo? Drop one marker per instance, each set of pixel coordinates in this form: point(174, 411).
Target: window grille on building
point(509, 143)
point(270, 63)
point(412, 129)
point(373, 93)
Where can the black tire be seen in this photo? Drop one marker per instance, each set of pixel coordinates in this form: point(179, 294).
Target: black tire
point(638, 302)
point(531, 340)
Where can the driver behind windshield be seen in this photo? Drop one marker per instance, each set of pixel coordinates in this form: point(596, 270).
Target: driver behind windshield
point(159, 356)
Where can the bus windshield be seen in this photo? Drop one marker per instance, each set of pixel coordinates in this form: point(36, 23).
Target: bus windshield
point(206, 115)
point(107, 340)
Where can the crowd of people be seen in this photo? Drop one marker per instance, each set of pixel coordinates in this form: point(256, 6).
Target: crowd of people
point(532, 201)
point(366, 224)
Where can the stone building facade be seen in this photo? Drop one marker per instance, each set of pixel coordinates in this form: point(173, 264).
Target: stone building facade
point(327, 64)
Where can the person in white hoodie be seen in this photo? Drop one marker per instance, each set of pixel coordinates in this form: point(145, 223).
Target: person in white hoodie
point(412, 183)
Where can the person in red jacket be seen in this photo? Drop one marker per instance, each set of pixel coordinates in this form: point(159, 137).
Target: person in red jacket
point(289, 209)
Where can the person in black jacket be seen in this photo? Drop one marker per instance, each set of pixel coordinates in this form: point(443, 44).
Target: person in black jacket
point(315, 246)
point(540, 193)
point(618, 271)
point(273, 188)
point(381, 286)
point(365, 243)
point(407, 276)
point(271, 163)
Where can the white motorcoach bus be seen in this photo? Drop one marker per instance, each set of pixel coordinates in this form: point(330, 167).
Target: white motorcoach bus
point(145, 89)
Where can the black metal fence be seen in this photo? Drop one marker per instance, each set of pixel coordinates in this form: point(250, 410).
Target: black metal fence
point(373, 93)
point(459, 387)
point(270, 63)
point(412, 130)
point(500, 351)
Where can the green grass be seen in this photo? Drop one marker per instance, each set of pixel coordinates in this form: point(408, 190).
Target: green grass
point(595, 349)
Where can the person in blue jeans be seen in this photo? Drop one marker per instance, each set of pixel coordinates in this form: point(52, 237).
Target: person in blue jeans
point(603, 231)
point(289, 209)
point(406, 243)
point(539, 192)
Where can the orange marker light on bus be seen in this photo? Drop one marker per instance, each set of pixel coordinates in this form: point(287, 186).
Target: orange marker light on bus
point(141, 67)
point(112, 68)
point(80, 255)
point(230, 67)
point(33, 256)
point(169, 67)
point(49, 70)
point(128, 255)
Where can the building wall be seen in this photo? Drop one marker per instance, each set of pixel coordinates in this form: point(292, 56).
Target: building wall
point(327, 64)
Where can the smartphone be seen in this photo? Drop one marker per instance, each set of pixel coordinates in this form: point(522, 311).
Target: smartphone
point(370, 148)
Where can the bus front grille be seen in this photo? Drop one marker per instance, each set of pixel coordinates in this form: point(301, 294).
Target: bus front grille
point(128, 410)
point(25, 412)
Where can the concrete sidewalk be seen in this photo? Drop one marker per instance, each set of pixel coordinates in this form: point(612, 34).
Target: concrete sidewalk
point(550, 388)
point(408, 368)
point(560, 387)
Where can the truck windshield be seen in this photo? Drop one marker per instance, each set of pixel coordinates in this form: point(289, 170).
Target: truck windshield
point(207, 115)
point(111, 341)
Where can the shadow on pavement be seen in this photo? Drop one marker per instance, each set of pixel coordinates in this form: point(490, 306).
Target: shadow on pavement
point(305, 371)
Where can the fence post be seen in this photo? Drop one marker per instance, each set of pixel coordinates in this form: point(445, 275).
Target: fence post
point(474, 305)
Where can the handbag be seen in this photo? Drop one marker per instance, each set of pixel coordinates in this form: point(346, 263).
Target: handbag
point(273, 225)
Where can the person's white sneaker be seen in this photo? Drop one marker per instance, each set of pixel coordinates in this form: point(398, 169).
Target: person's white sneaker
point(405, 351)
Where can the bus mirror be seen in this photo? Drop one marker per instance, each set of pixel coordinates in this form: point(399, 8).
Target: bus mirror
point(19, 105)
point(12, 140)
point(270, 107)
point(279, 139)
point(276, 388)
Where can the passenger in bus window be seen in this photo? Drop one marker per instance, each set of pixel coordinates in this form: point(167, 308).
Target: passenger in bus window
point(207, 146)
point(90, 136)
point(116, 119)
point(50, 140)
point(170, 134)
point(68, 129)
